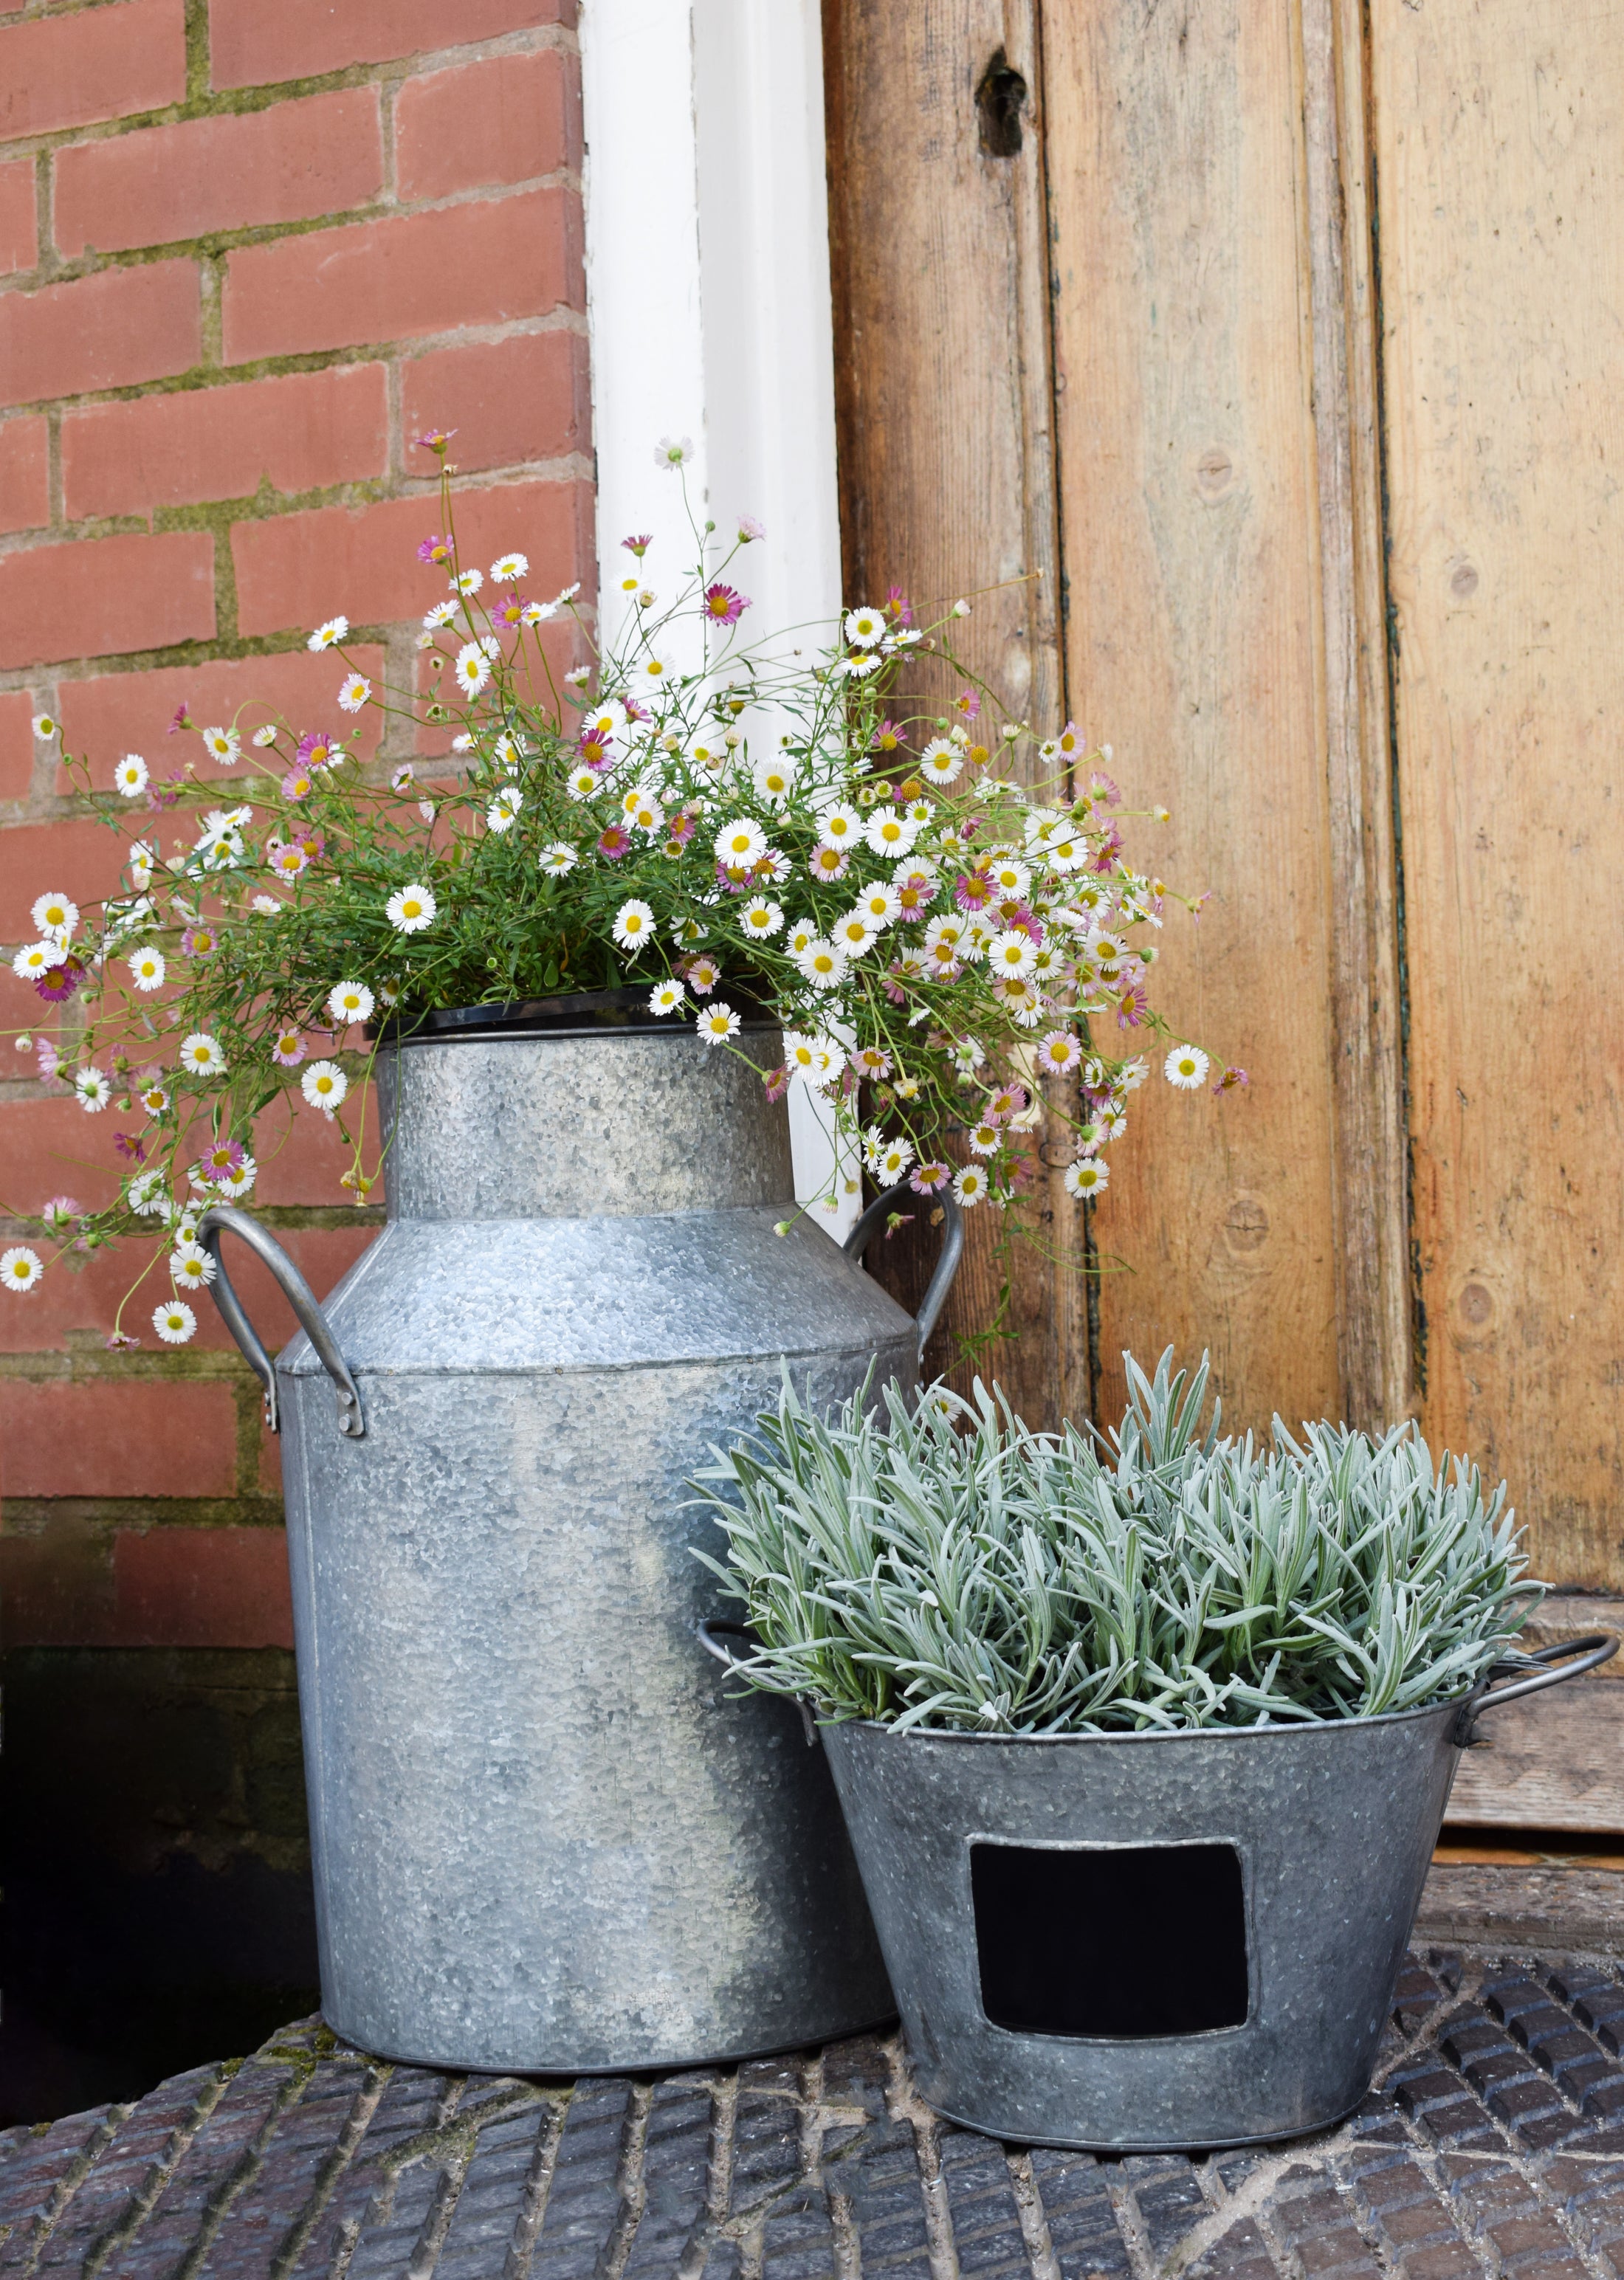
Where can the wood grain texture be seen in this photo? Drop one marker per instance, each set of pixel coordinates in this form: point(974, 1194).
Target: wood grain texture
point(944, 410)
point(1188, 484)
point(1553, 1760)
point(1373, 1315)
point(1498, 134)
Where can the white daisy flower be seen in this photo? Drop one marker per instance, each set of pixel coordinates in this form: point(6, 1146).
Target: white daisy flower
point(653, 672)
point(266, 905)
point(823, 965)
point(1067, 854)
point(354, 692)
point(606, 724)
point(858, 669)
point(147, 969)
point(222, 744)
point(1019, 998)
point(986, 1139)
point(946, 931)
point(852, 935)
point(350, 1001)
point(717, 1023)
point(410, 910)
point(1090, 1175)
point(865, 627)
point(56, 917)
point(666, 998)
point(838, 825)
point(44, 727)
point(535, 613)
point(504, 809)
point(1010, 953)
point(881, 905)
point(634, 923)
point(801, 936)
point(507, 567)
point(970, 1184)
point(201, 1054)
point(774, 779)
point(740, 843)
point(941, 760)
point(191, 1267)
point(760, 917)
point(468, 583)
point(558, 856)
point(145, 1195)
point(154, 1099)
point(130, 776)
point(440, 615)
point(174, 1321)
point(35, 959)
point(325, 636)
point(142, 860)
point(813, 1059)
point(234, 1184)
point(1186, 1066)
point(94, 1090)
point(580, 783)
point(324, 1085)
point(20, 1268)
point(473, 668)
point(673, 451)
point(891, 1164)
point(1010, 875)
point(263, 738)
point(891, 831)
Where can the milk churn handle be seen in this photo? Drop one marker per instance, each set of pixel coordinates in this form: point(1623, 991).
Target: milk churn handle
point(947, 1265)
point(216, 1222)
point(713, 1633)
point(1592, 1650)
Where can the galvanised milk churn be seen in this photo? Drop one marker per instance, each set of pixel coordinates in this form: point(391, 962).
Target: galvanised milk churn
point(547, 1837)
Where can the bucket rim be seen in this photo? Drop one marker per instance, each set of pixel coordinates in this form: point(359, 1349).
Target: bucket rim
point(585, 1013)
point(1450, 1705)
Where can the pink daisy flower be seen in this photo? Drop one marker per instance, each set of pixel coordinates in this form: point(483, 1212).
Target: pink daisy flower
point(967, 704)
point(614, 843)
point(436, 440)
point(298, 784)
point(510, 610)
point(701, 975)
point(775, 1082)
point(925, 1179)
point(899, 608)
point(199, 942)
point(639, 545)
point(129, 1147)
point(434, 548)
point(724, 605)
point(679, 830)
point(289, 1049)
point(973, 892)
point(220, 1162)
point(287, 861)
point(888, 737)
point(319, 748)
point(182, 720)
point(1230, 1079)
point(58, 983)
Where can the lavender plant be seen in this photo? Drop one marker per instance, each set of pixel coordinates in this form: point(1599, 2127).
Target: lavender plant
point(837, 834)
point(935, 1564)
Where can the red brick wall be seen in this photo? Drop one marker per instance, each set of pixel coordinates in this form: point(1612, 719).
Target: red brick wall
point(248, 249)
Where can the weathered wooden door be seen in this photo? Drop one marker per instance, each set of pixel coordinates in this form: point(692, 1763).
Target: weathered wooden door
point(1286, 338)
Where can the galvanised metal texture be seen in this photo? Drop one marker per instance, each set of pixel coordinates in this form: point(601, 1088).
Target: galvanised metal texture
point(546, 1838)
point(1335, 1825)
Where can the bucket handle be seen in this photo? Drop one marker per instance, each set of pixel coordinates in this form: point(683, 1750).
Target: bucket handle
point(1592, 1650)
point(714, 1631)
point(221, 1219)
point(947, 1266)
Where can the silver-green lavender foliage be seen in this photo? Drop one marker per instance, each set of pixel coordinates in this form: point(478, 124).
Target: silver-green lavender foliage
point(938, 1564)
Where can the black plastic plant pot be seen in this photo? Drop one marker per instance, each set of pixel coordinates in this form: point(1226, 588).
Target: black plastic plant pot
point(1153, 1941)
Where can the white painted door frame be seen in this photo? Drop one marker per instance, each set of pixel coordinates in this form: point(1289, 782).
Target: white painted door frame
point(709, 308)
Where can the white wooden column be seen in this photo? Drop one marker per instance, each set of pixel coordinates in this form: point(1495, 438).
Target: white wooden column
point(708, 302)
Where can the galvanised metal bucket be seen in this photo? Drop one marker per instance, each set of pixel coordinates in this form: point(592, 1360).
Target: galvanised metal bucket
point(544, 1840)
point(1138, 1941)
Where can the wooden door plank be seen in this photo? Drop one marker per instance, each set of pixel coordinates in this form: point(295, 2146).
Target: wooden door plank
point(945, 411)
point(1498, 130)
point(1188, 479)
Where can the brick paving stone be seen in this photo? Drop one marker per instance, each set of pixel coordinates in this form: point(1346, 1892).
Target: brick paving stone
point(1491, 2148)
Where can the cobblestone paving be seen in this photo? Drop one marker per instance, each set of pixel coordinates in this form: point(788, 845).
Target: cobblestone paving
point(1491, 2148)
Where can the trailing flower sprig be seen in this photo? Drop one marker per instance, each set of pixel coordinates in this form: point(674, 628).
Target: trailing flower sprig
point(937, 1564)
point(835, 836)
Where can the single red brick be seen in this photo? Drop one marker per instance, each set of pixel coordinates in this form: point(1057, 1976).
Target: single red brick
point(288, 164)
point(523, 398)
point(96, 63)
point(294, 569)
point(116, 1437)
point(15, 744)
point(113, 330)
point(506, 119)
point(484, 264)
point(73, 856)
point(24, 496)
point(203, 1587)
point(119, 713)
point(251, 45)
point(100, 597)
point(19, 231)
point(298, 434)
